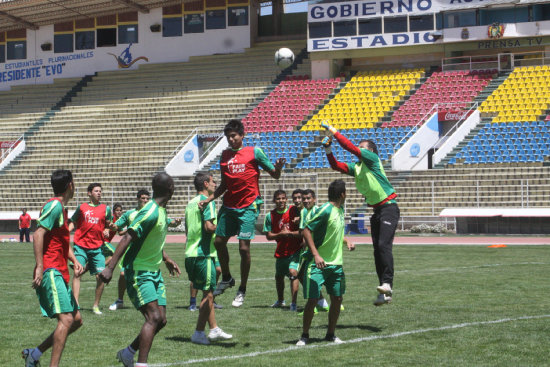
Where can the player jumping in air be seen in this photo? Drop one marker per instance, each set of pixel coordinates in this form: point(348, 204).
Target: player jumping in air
point(371, 181)
point(240, 172)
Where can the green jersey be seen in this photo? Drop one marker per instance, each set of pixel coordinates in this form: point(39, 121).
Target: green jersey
point(370, 177)
point(126, 218)
point(327, 227)
point(150, 227)
point(306, 215)
point(199, 242)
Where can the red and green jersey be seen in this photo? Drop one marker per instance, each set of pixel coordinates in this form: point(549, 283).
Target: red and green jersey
point(90, 221)
point(275, 222)
point(240, 172)
point(150, 227)
point(111, 232)
point(54, 219)
point(327, 227)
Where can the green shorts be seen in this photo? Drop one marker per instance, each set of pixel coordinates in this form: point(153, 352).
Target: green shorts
point(216, 262)
point(94, 258)
point(144, 287)
point(55, 296)
point(201, 272)
point(332, 276)
point(284, 264)
point(107, 249)
point(240, 222)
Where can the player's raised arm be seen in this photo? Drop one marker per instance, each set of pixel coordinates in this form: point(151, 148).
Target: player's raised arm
point(344, 142)
point(107, 273)
point(334, 163)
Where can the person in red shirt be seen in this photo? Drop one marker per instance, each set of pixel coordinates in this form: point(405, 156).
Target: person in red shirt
point(240, 172)
point(90, 220)
point(51, 274)
point(24, 226)
point(280, 225)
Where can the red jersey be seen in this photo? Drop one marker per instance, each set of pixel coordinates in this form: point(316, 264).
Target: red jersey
point(276, 222)
point(53, 217)
point(90, 221)
point(240, 171)
point(111, 232)
point(25, 220)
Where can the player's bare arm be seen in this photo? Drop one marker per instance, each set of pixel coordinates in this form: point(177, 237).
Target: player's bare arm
point(38, 244)
point(279, 164)
point(107, 273)
point(319, 262)
point(209, 226)
point(175, 222)
point(171, 265)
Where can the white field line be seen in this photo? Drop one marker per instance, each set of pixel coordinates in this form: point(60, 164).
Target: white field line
point(183, 278)
point(352, 341)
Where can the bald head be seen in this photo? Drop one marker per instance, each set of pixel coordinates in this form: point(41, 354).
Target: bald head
point(163, 185)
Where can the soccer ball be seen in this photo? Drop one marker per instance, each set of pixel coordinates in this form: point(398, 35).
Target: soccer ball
point(284, 57)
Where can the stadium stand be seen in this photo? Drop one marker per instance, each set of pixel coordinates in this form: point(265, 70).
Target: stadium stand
point(524, 96)
point(452, 88)
point(288, 105)
point(366, 99)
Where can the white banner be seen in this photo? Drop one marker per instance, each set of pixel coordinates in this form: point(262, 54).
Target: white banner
point(370, 41)
point(324, 12)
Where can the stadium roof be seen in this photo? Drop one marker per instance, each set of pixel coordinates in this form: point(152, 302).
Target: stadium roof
point(16, 14)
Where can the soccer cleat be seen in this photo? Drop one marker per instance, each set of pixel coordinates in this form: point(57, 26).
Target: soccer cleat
point(322, 305)
point(199, 337)
point(238, 300)
point(222, 286)
point(293, 307)
point(382, 299)
point(96, 310)
point(303, 341)
point(385, 288)
point(315, 312)
point(29, 360)
point(278, 304)
point(124, 359)
point(217, 306)
point(117, 305)
point(342, 308)
point(333, 339)
point(219, 334)
point(192, 307)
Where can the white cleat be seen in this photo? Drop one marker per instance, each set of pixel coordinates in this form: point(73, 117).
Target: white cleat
point(278, 304)
point(302, 342)
point(385, 288)
point(199, 337)
point(219, 334)
point(117, 305)
point(382, 299)
point(239, 299)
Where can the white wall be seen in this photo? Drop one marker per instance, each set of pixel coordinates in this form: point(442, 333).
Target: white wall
point(413, 154)
point(20, 148)
point(320, 69)
point(156, 48)
point(186, 161)
point(453, 140)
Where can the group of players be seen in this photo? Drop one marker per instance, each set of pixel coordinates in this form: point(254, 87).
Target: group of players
point(141, 249)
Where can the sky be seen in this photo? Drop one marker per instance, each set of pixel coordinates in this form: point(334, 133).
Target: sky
point(300, 7)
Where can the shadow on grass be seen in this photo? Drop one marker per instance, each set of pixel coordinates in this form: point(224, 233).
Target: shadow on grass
point(311, 340)
point(184, 339)
point(374, 329)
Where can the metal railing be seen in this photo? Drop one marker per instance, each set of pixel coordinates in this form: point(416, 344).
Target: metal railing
point(5, 151)
point(501, 62)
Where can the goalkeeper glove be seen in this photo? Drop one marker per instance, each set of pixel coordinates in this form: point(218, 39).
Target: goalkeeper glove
point(328, 127)
point(327, 142)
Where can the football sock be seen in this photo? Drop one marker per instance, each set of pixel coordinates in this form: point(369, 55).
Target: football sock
point(36, 354)
point(192, 301)
point(242, 289)
point(305, 335)
point(227, 278)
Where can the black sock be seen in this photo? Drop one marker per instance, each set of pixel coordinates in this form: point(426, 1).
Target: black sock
point(306, 335)
point(242, 289)
point(329, 336)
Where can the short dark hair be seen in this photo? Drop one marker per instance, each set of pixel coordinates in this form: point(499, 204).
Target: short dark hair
point(143, 192)
point(161, 184)
point(200, 179)
point(117, 205)
point(277, 193)
point(297, 191)
point(92, 186)
point(371, 144)
point(60, 181)
point(336, 189)
point(234, 126)
point(309, 192)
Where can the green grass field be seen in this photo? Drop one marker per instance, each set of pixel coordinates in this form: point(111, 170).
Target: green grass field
point(453, 306)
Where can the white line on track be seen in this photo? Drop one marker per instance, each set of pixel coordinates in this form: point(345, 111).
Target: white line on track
point(352, 341)
point(423, 271)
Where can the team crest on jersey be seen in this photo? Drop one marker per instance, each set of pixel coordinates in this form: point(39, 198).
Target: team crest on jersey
point(496, 30)
point(125, 60)
point(88, 217)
